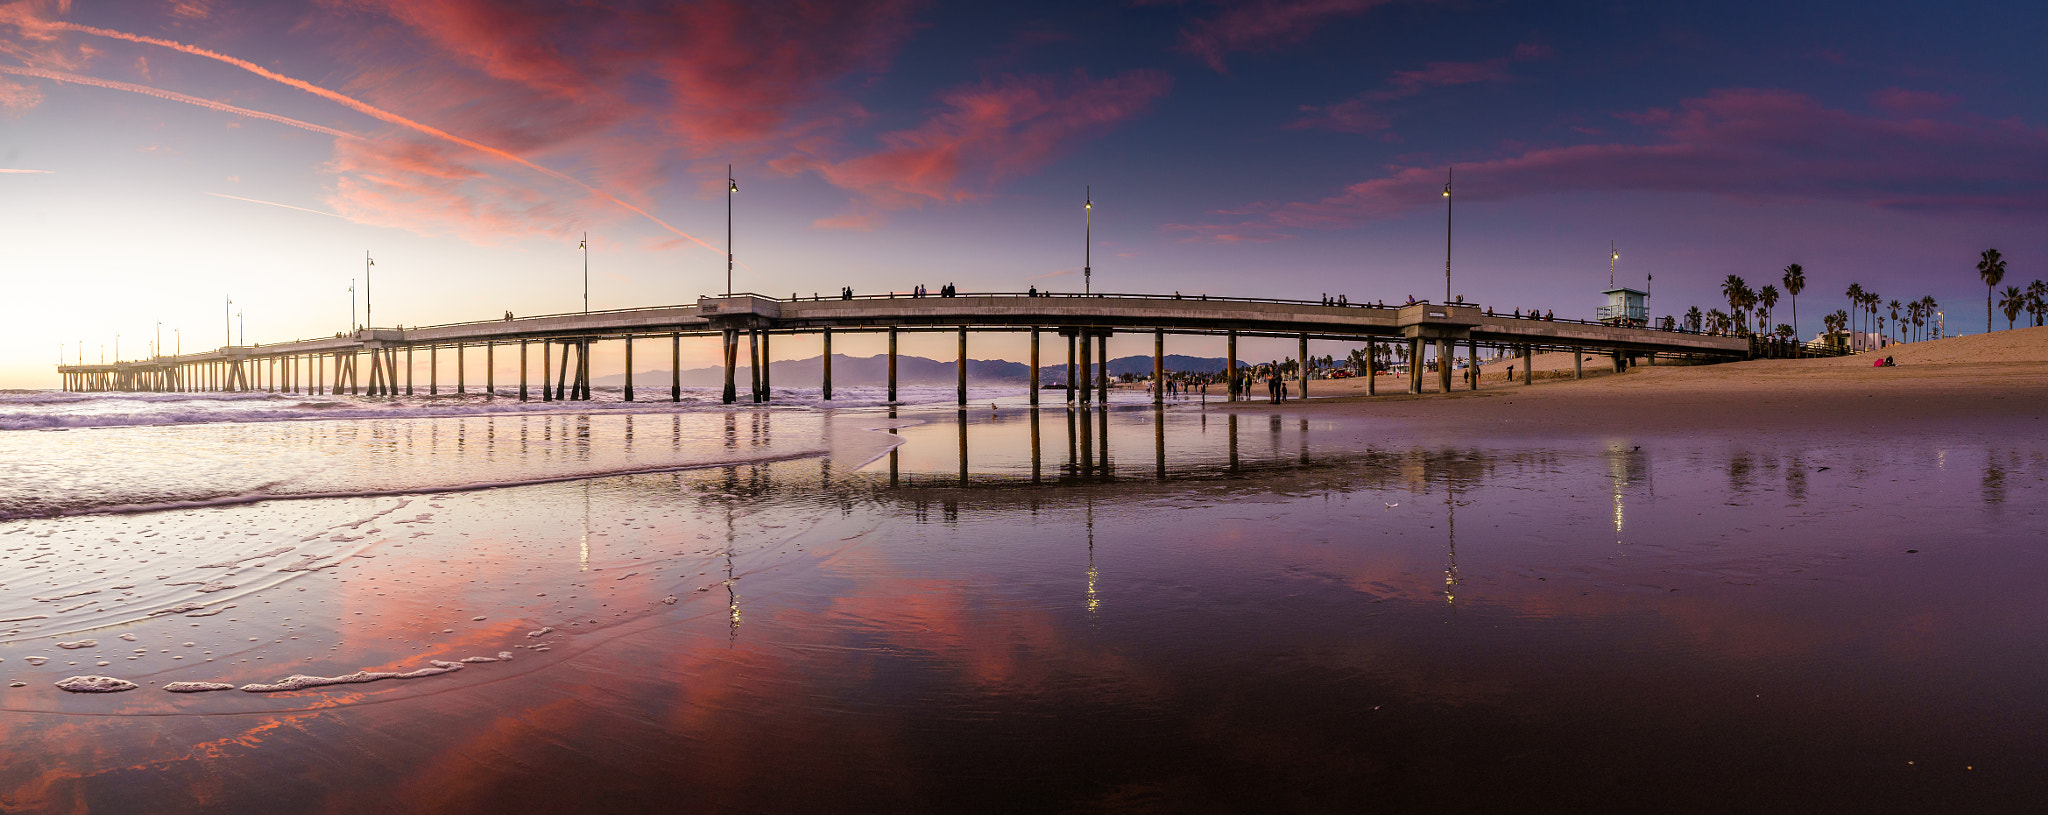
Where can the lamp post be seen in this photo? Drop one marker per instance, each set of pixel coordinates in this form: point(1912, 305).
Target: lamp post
point(242, 323)
point(585, 246)
point(352, 304)
point(1612, 256)
point(158, 345)
point(1448, 173)
point(1087, 240)
point(367, 263)
point(227, 322)
point(731, 187)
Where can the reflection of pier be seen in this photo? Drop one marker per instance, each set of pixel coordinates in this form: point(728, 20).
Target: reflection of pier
point(369, 360)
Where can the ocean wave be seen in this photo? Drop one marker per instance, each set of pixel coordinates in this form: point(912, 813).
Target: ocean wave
point(58, 410)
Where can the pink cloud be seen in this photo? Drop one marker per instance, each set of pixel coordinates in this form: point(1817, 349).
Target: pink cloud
point(1754, 144)
point(1264, 25)
point(1902, 102)
point(988, 131)
point(1360, 114)
point(420, 186)
point(16, 97)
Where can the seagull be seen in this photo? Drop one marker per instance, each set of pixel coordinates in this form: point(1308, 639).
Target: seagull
point(1391, 506)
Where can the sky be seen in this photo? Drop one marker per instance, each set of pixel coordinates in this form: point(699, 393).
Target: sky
point(159, 159)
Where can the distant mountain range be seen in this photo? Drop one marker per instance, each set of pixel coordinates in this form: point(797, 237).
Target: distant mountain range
point(874, 371)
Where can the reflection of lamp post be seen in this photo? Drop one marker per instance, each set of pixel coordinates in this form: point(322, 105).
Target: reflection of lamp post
point(1087, 239)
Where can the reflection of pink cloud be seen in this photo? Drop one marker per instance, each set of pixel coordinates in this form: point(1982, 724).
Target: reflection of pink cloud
point(989, 131)
point(1259, 25)
point(1753, 144)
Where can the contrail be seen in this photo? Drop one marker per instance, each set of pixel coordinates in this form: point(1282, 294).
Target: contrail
point(45, 172)
point(173, 96)
point(276, 204)
point(369, 110)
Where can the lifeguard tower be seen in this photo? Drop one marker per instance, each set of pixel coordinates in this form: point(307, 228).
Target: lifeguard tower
point(1626, 306)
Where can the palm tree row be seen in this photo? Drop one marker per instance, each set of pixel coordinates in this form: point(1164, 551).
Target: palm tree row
point(2033, 300)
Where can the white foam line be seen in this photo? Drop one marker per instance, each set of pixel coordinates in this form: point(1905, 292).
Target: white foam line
point(253, 498)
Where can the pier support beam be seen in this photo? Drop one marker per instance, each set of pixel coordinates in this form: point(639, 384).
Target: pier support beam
point(433, 370)
point(1415, 365)
point(1303, 356)
point(629, 369)
point(1102, 372)
point(547, 367)
point(754, 361)
point(491, 369)
point(1159, 366)
point(892, 365)
point(767, 390)
point(1070, 369)
point(1443, 365)
point(962, 388)
point(1372, 378)
point(459, 386)
point(1087, 370)
point(1034, 377)
point(1528, 362)
point(675, 367)
point(1578, 363)
point(522, 370)
point(1472, 363)
point(731, 353)
point(1230, 366)
point(826, 359)
point(408, 371)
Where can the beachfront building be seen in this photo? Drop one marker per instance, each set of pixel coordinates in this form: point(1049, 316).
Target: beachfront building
point(1854, 342)
point(1626, 306)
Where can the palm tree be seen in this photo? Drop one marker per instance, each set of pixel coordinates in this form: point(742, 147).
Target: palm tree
point(1928, 308)
point(1692, 319)
point(1732, 289)
point(1716, 321)
point(1895, 320)
point(1855, 294)
point(1990, 267)
point(2037, 294)
point(1768, 298)
point(2012, 303)
point(1795, 282)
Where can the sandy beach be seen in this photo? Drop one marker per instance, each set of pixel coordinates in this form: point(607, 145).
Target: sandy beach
point(1998, 378)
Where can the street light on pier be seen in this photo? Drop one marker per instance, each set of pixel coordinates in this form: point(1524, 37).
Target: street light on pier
point(1087, 239)
point(242, 323)
point(732, 187)
point(352, 304)
point(367, 263)
point(1612, 256)
point(227, 321)
point(585, 246)
point(1448, 172)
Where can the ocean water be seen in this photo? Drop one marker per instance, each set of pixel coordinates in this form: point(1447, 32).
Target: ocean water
point(923, 608)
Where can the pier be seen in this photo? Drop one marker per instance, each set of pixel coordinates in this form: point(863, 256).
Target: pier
point(367, 362)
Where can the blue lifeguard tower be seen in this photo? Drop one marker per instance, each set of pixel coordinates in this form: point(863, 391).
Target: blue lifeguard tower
point(1626, 306)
